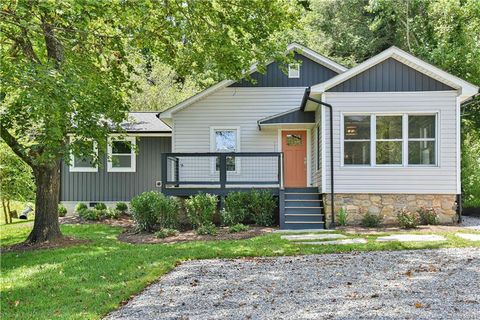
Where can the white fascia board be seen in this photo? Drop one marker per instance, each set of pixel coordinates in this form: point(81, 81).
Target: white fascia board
point(466, 89)
point(330, 64)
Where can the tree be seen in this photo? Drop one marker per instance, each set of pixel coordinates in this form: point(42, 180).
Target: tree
point(16, 180)
point(65, 71)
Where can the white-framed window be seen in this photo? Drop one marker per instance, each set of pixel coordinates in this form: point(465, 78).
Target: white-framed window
point(121, 155)
point(225, 139)
point(84, 163)
point(294, 70)
point(422, 136)
point(389, 139)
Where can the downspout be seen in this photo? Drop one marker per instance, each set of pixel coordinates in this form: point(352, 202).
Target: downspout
point(307, 97)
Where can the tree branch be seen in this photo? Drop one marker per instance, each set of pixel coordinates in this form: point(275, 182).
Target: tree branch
point(15, 146)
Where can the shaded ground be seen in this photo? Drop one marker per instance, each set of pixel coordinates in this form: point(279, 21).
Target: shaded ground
point(59, 243)
point(423, 284)
point(131, 236)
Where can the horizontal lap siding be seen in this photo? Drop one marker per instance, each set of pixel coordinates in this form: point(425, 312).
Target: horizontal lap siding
point(438, 180)
point(234, 107)
point(117, 186)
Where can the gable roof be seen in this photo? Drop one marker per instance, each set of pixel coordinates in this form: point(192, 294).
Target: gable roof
point(328, 63)
point(466, 89)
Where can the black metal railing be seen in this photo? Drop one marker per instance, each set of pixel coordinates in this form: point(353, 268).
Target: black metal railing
point(222, 170)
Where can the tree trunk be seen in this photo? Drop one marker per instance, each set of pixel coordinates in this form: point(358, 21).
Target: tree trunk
point(46, 226)
point(5, 212)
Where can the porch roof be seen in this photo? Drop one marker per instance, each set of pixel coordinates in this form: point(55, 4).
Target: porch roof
point(288, 118)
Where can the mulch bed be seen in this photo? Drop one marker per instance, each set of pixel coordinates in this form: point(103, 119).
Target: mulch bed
point(59, 243)
point(130, 235)
point(124, 221)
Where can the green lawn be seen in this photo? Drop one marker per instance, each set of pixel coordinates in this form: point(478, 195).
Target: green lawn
point(88, 281)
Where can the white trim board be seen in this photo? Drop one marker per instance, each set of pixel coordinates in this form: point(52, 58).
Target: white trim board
point(466, 89)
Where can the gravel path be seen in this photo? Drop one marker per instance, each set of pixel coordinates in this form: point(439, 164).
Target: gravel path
point(471, 222)
point(424, 284)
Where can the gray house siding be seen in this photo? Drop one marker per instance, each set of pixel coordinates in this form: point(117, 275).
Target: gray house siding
point(311, 73)
point(390, 76)
point(117, 186)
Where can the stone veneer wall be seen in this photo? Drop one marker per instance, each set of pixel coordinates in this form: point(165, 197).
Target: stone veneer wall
point(388, 205)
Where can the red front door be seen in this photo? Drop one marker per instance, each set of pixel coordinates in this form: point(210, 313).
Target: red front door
point(294, 147)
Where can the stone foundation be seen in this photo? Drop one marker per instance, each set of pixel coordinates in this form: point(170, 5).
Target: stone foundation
point(388, 205)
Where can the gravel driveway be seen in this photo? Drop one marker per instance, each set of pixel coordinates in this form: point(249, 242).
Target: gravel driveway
point(426, 284)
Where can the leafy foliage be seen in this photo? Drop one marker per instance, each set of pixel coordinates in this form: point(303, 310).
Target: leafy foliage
point(207, 229)
point(80, 206)
point(90, 214)
point(200, 209)
point(166, 232)
point(370, 220)
point(122, 207)
point(100, 206)
point(428, 216)
point(151, 209)
point(261, 207)
point(239, 227)
point(236, 208)
point(342, 217)
point(62, 211)
point(407, 219)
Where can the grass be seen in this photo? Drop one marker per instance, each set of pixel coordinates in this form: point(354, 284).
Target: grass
point(87, 281)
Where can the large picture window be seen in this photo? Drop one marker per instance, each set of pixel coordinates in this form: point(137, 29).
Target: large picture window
point(383, 139)
point(121, 155)
point(225, 140)
point(356, 140)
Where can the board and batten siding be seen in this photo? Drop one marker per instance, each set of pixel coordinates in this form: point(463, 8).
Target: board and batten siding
point(233, 107)
point(441, 179)
point(117, 186)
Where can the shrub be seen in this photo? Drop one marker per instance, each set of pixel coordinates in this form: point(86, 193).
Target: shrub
point(239, 227)
point(236, 208)
point(100, 206)
point(207, 229)
point(371, 221)
point(261, 206)
point(342, 217)
point(151, 208)
point(166, 232)
point(62, 211)
point(110, 213)
point(200, 209)
point(407, 219)
point(122, 207)
point(90, 214)
point(80, 206)
point(427, 215)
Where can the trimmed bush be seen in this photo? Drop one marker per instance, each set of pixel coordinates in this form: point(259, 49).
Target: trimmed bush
point(371, 221)
point(207, 229)
point(122, 207)
point(261, 205)
point(111, 213)
point(239, 227)
point(100, 206)
point(428, 216)
point(166, 232)
point(62, 211)
point(80, 206)
point(151, 209)
point(407, 219)
point(342, 217)
point(200, 209)
point(236, 208)
point(90, 214)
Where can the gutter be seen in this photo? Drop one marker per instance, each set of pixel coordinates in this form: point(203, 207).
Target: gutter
point(306, 97)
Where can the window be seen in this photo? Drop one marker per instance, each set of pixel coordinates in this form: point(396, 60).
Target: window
point(84, 163)
point(389, 142)
point(356, 140)
point(294, 140)
point(121, 155)
point(225, 140)
point(378, 140)
point(294, 70)
point(421, 139)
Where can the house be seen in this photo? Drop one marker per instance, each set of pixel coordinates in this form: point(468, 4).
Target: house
point(378, 137)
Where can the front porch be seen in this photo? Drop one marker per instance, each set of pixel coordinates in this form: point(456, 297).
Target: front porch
point(219, 173)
